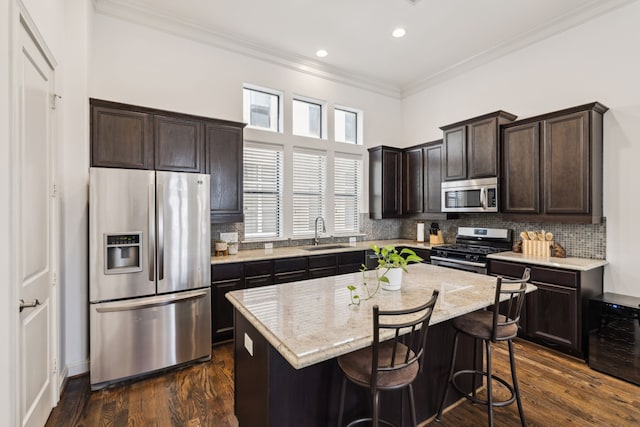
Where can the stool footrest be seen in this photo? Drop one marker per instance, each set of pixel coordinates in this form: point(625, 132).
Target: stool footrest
point(369, 420)
point(474, 399)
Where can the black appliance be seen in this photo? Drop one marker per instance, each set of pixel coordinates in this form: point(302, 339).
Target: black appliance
point(472, 246)
point(614, 336)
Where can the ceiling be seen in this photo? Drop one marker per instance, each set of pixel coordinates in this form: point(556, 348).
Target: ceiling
point(444, 37)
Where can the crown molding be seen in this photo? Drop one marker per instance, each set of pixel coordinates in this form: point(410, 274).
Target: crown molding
point(132, 12)
point(561, 23)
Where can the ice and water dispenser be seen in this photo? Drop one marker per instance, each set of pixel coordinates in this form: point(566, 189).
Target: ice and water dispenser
point(123, 253)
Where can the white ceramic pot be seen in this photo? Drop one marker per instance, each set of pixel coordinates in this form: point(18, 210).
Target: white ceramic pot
point(233, 249)
point(395, 279)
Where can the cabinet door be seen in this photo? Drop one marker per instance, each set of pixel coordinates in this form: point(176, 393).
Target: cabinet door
point(455, 153)
point(412, 191)
point(121, 138)
point(391, 184)
point(224, 163)
point(179, 144)
point(432, 156)
point(521, 169)
point(222, 316)
point(552, 316)
point(566, 164)
point(482, 154)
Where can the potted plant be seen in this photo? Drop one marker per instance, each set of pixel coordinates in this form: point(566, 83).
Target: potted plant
point(391, 264)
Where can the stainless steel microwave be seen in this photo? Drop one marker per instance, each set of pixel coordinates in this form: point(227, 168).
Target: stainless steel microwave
point(473, 195)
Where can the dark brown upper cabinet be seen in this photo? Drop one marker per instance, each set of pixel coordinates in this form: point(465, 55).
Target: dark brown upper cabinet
point(179, 144)
point(422, 179)
point(224, 148)
point(385, 182)
point(552, 166)
point(471, 147)
point(120, 137)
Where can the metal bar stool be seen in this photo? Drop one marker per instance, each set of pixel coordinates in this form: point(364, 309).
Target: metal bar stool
point(392, 364)
point(491, 326)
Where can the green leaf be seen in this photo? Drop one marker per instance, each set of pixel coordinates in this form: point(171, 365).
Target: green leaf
point(351, 287)
point(356, 297)
point(384, 279)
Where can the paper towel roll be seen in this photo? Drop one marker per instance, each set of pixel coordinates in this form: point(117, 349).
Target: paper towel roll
point(420, 232)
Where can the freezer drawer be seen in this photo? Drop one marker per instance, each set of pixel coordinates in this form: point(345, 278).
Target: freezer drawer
point(138, 336)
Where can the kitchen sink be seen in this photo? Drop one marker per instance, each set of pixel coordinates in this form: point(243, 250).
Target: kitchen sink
point(325, 247)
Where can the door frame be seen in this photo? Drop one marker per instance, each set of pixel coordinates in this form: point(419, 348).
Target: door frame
point(19, 17)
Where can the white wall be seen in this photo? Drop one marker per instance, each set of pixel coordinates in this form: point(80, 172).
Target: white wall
point(597, 61)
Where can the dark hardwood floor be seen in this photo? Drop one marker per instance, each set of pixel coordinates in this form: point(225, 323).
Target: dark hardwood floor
point(557, 390)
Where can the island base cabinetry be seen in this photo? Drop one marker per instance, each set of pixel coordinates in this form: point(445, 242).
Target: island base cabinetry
point(270, 392)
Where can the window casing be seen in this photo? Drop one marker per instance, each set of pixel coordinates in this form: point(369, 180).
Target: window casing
point(263, 182)
point(346, 126)
point(347, 193)
point(262, 108)
point(308, 118)
point(309, 187)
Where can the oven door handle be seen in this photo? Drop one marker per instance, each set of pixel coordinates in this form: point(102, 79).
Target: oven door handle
point(458, 261)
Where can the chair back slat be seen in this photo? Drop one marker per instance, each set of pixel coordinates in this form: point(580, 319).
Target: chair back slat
point(410, 334)
point(513, 303)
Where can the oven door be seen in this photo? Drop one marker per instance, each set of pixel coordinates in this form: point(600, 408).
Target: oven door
point(460, 264)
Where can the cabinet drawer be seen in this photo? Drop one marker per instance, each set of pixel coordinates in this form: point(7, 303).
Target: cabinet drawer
point(349, 268)
point(314, 273)
point(292, 276)
point(507, 269)
point(350, 258)
point(554, 276)
point(289, 264)
point(258, 281)
point(320, 261)
point(226, 272)
point(258, 268)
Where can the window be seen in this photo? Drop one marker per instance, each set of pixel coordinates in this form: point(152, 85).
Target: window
point(348, 193)
point(309, 177)
point(308, 117)
point(263, 167)
point(346, 126)
point(262, 108)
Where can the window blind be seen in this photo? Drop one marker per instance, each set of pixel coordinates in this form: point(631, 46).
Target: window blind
point(309, 183)
point(348, 193)
point(263, 167)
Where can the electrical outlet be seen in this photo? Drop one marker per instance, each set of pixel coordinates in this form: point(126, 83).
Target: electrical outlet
point(248, 344)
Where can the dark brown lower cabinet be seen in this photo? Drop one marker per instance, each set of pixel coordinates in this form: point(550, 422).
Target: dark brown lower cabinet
point(290, 270)
point(224, 278)
point(555, 315)
point(322, 266)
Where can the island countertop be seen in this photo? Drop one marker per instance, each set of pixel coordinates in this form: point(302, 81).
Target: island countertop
point(311, 321)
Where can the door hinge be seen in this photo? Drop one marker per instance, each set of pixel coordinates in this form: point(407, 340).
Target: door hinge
point(54, 190)
point(54, 279)
point(55, 366)
point(54, 100)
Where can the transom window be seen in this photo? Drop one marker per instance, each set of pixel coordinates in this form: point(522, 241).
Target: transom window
point(346, 126)
point(308, 117)
point(262, 108)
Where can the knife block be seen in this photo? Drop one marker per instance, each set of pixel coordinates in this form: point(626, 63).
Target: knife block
point(436, 239)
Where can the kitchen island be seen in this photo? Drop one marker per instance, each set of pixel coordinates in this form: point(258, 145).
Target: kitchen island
point(288, 336)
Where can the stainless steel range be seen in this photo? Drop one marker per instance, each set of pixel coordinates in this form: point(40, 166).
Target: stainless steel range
point(472, 247)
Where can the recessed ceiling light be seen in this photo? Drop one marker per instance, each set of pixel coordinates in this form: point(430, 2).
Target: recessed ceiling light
point(399, 32)
point(321, 53)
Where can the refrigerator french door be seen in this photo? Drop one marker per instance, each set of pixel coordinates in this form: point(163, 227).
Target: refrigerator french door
point(149, 271)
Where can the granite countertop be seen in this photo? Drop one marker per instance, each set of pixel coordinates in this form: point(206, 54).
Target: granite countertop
point(570, 263)
point(311, 321)
point(296, 251)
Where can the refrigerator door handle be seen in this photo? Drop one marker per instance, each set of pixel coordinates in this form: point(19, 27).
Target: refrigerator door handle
point(160, 198)
point(152, 232)
point(149, 302)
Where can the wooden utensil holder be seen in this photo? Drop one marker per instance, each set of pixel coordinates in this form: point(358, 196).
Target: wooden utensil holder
point(537, 248)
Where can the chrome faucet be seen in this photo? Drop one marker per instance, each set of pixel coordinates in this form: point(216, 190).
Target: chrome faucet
point(324, 230)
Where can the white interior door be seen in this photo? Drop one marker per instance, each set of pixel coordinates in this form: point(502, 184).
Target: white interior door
point(34, 202)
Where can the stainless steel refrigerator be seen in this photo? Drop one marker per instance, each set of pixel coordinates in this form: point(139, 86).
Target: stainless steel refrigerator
point(149, 271)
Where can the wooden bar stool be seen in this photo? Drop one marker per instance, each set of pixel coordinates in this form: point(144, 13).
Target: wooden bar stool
point(392, 364)
point(491, 326)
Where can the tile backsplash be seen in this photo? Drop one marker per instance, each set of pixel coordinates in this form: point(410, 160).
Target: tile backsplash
point(579, 240)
